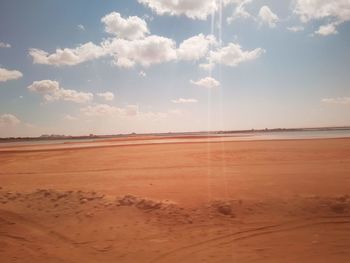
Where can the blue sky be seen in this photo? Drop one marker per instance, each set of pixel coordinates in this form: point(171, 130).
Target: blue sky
point(80, 67)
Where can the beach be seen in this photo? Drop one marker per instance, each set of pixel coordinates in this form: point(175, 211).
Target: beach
point(181, 201)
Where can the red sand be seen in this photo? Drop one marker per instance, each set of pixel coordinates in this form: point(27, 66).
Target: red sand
point(257, 201)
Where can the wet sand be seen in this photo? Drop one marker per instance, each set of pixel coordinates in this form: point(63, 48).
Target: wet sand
point(242, 201)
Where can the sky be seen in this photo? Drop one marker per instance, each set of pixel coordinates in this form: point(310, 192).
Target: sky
point(111, 67)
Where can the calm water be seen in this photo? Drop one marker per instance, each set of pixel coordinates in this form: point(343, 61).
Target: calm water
point(44, 142)
point(227, 137)
point(302, 134)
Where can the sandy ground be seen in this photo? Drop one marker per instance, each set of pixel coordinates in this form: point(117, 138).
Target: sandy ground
point(258, 201)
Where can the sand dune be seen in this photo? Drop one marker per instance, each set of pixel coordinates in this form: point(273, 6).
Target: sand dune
point(266, 201)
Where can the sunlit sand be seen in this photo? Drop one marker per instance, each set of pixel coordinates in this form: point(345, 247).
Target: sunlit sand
point(243, 201)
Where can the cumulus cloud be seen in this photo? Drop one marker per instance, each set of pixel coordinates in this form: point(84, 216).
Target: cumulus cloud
point(132, 46)
point(268, 17)
point(326, 30)
point(319, 9)
point(233, 55)
point(51, 91)
point(196, 47)
point(126, 53)
point(340, 100)
point(108, 96)
point(8, 120)
point(265, 16)
point(44, 86)
point(68, 57)
point(334, 12)
point(240, 10)
point(156, 49)
point(184, 101)
point(194, 9)
point(100, 110)
point(129, 28)
point(4, 45)
point(207, 82)
point(145, 52)
point(129, 111)
point(6, 74)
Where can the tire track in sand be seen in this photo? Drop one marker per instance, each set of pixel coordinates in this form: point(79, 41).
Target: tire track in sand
point(228, 239)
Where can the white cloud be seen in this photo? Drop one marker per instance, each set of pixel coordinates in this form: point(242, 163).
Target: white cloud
point(268, 17)
point(334, 12)
point(8, 120)
point(145, 52)
point(81, 27)
point(51, 91)
point(207, 82)
point(129, 28)
point(131, 47)
point(129, 111)
point(4, 45)
point(326, 30)
point(233, 55)
point(44, 86)
point(265, 16)
point(295, 28)
point(183, 101)
point(156, 49)
point(127, 53)
point(194, 9)
point(142, 74)
point(6, 74)
point(154, 116)
point(70, 95)
point(108, 96)
point(100, 110)
point(69, 118)
point(240, 10)
point(319, 9)
point(86, 52)
point(196, 47)
point(340, 100)
point(207, 66)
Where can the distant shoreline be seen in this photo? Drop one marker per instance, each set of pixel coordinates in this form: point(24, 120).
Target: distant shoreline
point(169, 134)
point(134, 140)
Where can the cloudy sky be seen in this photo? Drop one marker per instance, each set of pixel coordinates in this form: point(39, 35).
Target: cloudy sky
point(80, 67)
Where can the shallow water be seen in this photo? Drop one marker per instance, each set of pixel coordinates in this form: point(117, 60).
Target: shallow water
point(251, 136)
point(311, 134)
